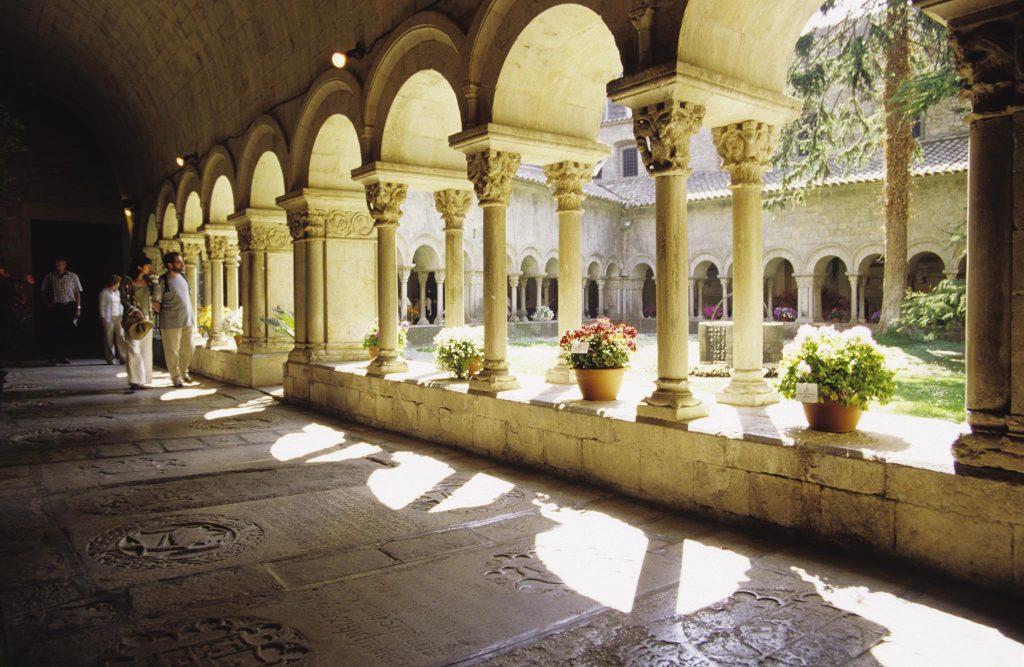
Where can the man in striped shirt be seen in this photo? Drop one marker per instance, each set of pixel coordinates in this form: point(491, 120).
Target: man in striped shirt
point(62, 291)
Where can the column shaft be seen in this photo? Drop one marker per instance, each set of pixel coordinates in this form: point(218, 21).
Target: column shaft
point(384, 201)
point(455, 299)
point(231, 269)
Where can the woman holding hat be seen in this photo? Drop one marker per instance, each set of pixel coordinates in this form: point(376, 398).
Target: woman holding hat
point(137, 298)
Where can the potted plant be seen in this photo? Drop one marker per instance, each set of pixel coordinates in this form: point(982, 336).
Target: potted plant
point(204, 321)
point(282, 323)
point(371, 340)
point(599, 353)
point(233, 324)
point(543, 314)
point(460, 350)
point(836, 374)
point(784, 313)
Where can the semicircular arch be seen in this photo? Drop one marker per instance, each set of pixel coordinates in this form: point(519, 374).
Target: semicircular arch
point(335, 93)
point(265, 136)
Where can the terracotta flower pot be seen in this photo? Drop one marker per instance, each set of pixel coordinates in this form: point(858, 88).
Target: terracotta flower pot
point(832, 417)
point(599, 384)
point(372, 351)
point(238, 340)
point(476, 364)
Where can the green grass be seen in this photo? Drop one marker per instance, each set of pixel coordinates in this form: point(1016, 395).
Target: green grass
point(929, 377)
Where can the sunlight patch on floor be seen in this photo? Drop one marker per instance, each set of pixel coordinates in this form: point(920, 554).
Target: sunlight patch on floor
point(481, 490)
point(356, 451)
point(708, 574)
point(415, 475)
point(313, 438)
point(181, 394)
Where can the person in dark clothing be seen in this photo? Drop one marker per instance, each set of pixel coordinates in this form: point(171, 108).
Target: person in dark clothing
point(62, 291)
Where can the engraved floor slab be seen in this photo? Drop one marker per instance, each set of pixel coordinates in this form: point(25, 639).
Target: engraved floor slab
point(212, 525)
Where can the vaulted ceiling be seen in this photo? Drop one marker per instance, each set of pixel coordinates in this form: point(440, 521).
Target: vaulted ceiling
point(160, 78)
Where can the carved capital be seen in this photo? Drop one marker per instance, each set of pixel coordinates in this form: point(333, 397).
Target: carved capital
point(663, 134)
point(491, 173)
point(453, 206)
point(263, 236)
point(986, 57)
point(217, 247)
point(746, 150)
point(231, 255)
point(568, 179)
point(192, 252)
point(385, 202)
point(303, 224)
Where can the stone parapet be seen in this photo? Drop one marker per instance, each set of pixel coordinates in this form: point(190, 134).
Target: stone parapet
point(890, 488)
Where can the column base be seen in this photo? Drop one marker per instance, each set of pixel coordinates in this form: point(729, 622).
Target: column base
point(748, 394)
point(382, 366)
point(560, 373)
point(217, 340)
point(996, 455)
point(493, 378)
point(672, 401)
point(314, 354)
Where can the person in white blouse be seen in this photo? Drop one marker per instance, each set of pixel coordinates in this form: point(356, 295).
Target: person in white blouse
point(110, 316)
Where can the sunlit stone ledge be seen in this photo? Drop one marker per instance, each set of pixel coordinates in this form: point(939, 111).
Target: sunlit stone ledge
point(891, 487)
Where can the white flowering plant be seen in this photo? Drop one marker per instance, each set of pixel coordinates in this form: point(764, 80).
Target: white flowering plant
point(543, 314)
point(372, 336)
point(848, 367)
point(457, 347)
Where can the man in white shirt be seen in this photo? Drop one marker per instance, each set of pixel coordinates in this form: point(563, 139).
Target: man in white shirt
point(110, 318)
point(177, 320)
point(62, 292)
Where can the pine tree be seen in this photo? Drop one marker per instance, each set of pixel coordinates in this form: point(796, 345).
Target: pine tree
point(864, 81)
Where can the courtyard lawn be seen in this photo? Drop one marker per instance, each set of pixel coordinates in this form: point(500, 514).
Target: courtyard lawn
point(929, 377)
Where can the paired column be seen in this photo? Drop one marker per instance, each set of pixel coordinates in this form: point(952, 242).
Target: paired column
point(600, 297)
point(746, 150)
point(663, 134)
point(422, 279)
point(403, 285)
point(333, 243)
point(538, 280)
point(267, 275)
point(513, 283)
point(804, 297)
point(439, 301)
point(231, 275)
point(726, 284)
point(854, 297)
point(769, 286)
point(545, 284)
point(584, 298)
point(453, 206)
point(491, 173)
point(385, 201)
point(567, 180)
point(217, 249)
point(193, 249)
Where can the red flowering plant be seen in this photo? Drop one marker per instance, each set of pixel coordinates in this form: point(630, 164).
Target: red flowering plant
point(599, 344)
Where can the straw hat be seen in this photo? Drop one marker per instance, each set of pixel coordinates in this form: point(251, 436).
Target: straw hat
point(139, 330)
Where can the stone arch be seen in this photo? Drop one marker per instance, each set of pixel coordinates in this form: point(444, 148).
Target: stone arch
point(427, 42)
point(866, 255)
point(264, 137)
point(166, 197)
point(748, 46)
point(218, 178)
point(641, 260)
point(594, 269)
point(152, 233)
point(774, 256)
point(425, 258)
point(530, 264)
point(170, 226)
point(925, 270)
point(323, 144)
point(570, 48)
point(192, 214)
point(221, 201)
point(612, 271)
point(551, 266)
point(187, 185)
point(423, 114)
point(494, 32)
point(814, 261)
point(832, 287)
point(701, 262)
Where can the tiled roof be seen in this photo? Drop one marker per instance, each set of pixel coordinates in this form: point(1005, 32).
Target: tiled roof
point(942, 156)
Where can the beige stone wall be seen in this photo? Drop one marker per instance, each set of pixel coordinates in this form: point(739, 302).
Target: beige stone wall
point(889, 508)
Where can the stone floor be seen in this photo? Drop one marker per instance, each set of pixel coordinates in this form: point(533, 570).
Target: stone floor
point(214, 525)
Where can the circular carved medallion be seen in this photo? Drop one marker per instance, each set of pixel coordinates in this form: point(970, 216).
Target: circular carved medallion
point(175, 540)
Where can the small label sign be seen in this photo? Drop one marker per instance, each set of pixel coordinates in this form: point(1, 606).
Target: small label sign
point(807, 392)
point(580, 347)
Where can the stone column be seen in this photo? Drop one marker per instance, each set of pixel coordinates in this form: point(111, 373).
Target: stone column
point(862, 285)
point(385, 201)
point(491, 173)
point(267, 276)
point(746, 151)
point(816, 314)
point(854, 297)
point(700, 298)
point(207, 292)
point(231, 275)
point(476, 288)
point(726, 283)
point(217, 249)
point(949, 275)
point(193, 249)
point(522, 298)
point(538, 293)
point(586, 300)
point(422, 277)
point(770, 291)
point(600, 297)
point(663, 133)
point(513, 283)
point(988, 48)
point(453, 206)
point(804, 297)
point(156, 256)
point(403, 285)
point(545, 284)
point(439, 301)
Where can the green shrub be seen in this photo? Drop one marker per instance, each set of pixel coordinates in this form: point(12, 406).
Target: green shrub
point(934, 313)
point(848, 367)
point(283, 322)
point(456, 347)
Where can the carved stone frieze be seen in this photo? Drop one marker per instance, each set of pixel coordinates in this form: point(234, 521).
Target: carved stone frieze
point(453, 206)
point(217, 247)
point(663, 134)
point(746, 150)
point(568, 179)
point(986, 57)
point(263, 236)
point(385, 202)
point(491, 173)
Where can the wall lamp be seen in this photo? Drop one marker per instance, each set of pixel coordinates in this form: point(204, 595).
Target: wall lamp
point(191, 158)
point(339, 59)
